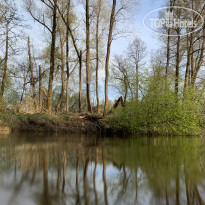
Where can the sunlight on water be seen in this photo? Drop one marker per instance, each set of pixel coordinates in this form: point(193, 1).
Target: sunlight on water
point(61, 169)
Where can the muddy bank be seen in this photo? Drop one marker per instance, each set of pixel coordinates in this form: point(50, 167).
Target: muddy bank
point(73, 123)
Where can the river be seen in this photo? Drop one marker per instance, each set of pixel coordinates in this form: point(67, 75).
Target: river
point(57, 169)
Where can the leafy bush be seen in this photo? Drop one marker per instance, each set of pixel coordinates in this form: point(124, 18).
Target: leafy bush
point(161, 111)
point(3, 106)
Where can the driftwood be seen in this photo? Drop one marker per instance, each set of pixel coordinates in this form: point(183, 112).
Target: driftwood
point(119, 101)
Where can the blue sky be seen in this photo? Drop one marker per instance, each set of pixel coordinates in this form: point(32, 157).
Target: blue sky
point(147, 36)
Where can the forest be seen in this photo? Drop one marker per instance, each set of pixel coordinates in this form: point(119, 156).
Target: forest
point(73, 69)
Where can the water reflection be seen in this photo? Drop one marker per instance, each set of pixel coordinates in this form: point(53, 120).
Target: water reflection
point(87, 170)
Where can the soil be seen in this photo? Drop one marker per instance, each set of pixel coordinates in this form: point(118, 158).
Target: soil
point(72, 123)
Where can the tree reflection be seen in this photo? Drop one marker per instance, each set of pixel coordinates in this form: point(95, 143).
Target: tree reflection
point(76, 180)
point(86, 181)
point(64, 170)
point(104, 177)
point(46, 199)
point(94, 176)
point(107, 171)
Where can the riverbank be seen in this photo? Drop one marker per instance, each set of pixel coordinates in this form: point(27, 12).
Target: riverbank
point(76, 123)
point(72, 123)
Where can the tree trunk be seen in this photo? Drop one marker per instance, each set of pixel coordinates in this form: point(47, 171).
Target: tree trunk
point(126, 89)
point(40, 89)
point(199, 61)
point(67, 81)
point(168, 57)
point(97, 54)
point(79, 53)
point(137, 82)
point(32, 78)
point(67, 60)
point(6, 61)
point(187, 73)
point(62, 78)
point(24, 88)
point(177, 64)
point(192, 63)
point(80, 81)
point(171, 3)
point(88, 56)
point(112, 20)
point(52, 60)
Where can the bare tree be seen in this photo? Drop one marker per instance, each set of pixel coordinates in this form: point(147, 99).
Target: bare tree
point(32, 82)
point(88, 56)
point(52, 57)
point(78, 51)
point(136, 53)
point(118, 11)
point(6, 61)
point(62, 66)
point(40, 89)
point(112, 21)
point(13, 28)
point(121, 76)
point(98, 12)
point(67, 57)
point(34, 12)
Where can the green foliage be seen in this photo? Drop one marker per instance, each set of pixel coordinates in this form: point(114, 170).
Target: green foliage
point(161, 111)
point(6, 116)
point(24, 118)
point(3, 105)
point(68, 118)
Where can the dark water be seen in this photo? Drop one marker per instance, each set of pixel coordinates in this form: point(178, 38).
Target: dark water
point(43, 170)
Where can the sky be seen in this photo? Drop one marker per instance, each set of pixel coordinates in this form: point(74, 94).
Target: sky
point(147, 36)
point(118, 46)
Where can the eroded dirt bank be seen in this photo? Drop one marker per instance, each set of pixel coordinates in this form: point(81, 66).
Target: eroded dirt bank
point(85, 123)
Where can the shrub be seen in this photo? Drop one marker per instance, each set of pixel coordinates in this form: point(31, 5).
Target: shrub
point(161, 112)
point(3, 106)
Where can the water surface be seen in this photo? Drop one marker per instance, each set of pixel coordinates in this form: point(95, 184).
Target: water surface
point(40, 169)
